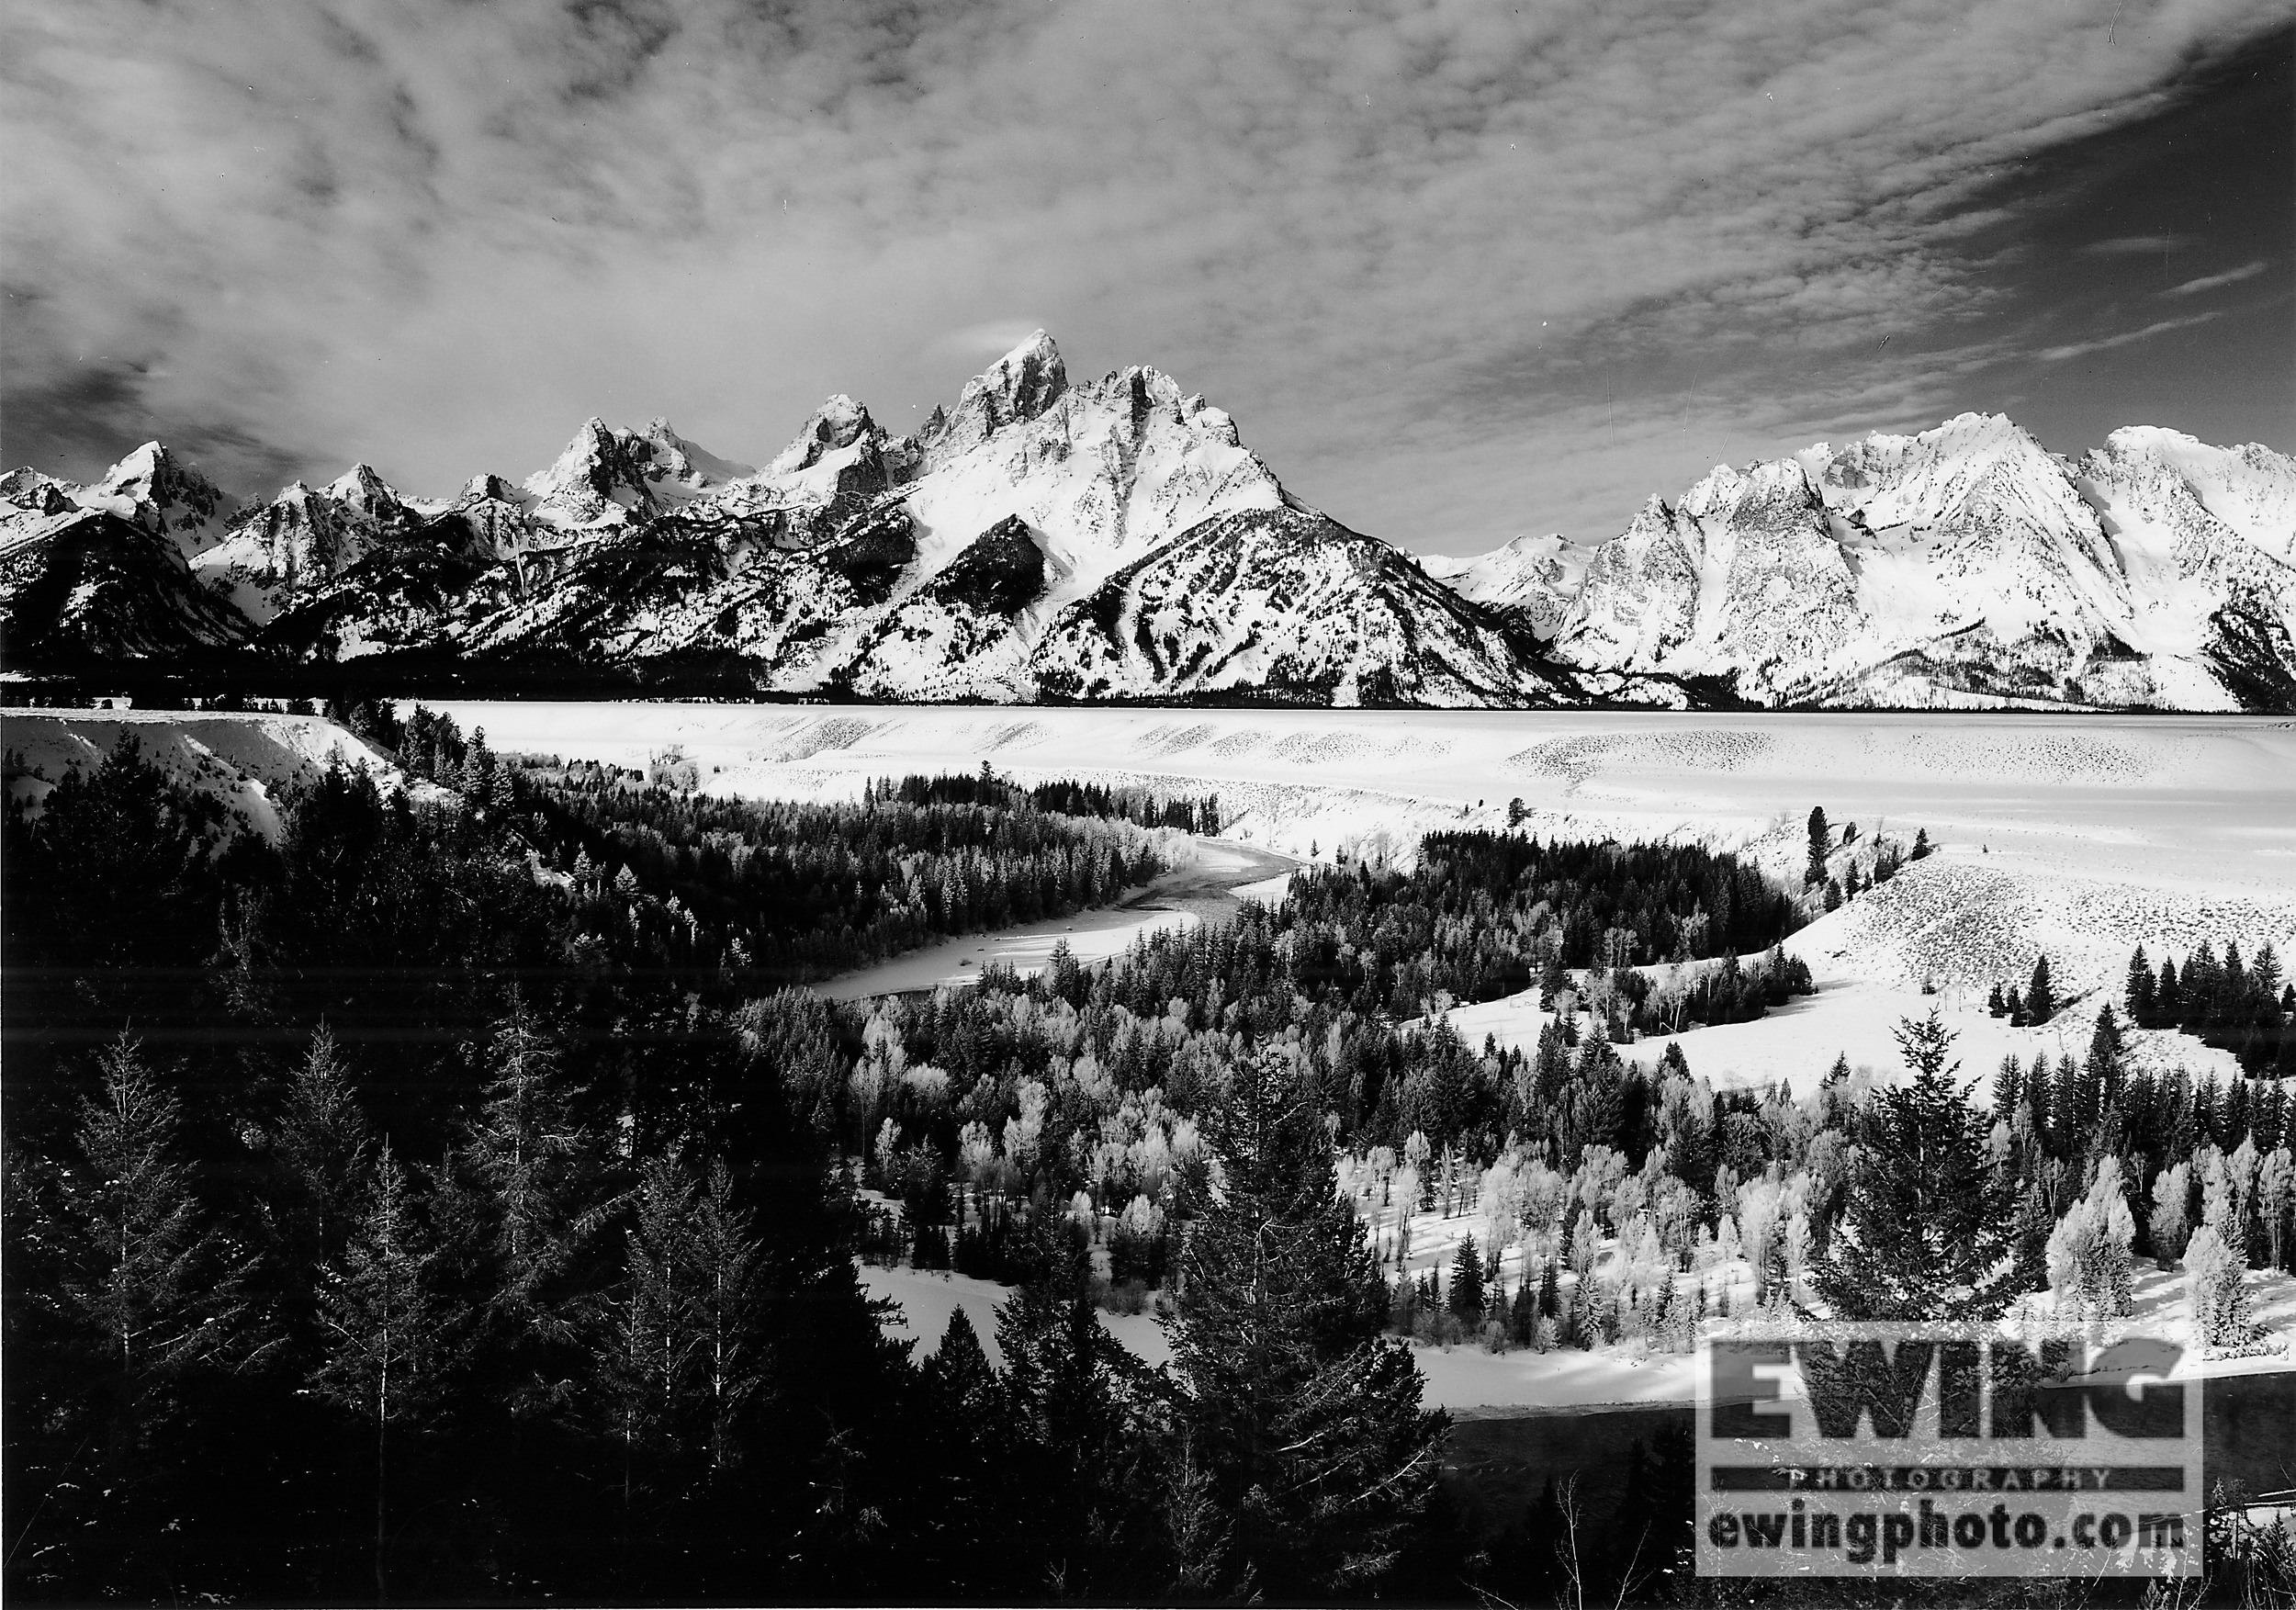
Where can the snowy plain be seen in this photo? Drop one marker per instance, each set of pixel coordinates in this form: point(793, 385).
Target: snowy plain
point(2077, 836)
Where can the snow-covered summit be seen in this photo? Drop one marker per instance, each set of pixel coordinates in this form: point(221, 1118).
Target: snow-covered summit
point(1052, 536)
point(1014, 390)
point(1964, 562)
point(154, 488)
point(1534, 577)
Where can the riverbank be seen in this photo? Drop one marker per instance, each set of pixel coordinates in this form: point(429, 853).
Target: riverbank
point(1220, 876)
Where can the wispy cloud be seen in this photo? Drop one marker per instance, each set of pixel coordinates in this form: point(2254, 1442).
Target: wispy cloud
point(990, 340)
point(437, 234)
point(2136, 246)
point(2057, 354)
point(2209, 282)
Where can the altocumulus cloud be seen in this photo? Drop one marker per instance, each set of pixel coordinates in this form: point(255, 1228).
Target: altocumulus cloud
point(438, 234)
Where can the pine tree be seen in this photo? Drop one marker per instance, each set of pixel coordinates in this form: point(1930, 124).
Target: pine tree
point(721, 1275)
point(122, 1294)
point(1077, 1409)
point(1467, 1283)
point(1820, 841)
point(2140, 996)
point(1306, 1419)
point(537, 1169)
point(1923, 1232)
point(387, 1351)
point(2105, 1068)
point(2215, 1285)
point(642, 1355)
point(2040, 1001)
point(323, 1149)
point(141, 1267)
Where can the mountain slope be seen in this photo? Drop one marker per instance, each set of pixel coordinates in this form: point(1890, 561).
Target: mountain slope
point(1964, 564)
point(1049, 537)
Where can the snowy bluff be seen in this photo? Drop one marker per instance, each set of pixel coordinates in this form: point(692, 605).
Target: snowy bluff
point(1050, 539)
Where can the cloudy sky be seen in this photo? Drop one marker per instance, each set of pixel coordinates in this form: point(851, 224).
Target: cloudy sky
point(1459, 271)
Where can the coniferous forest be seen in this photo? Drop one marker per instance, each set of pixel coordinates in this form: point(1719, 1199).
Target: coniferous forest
point(451, 1195)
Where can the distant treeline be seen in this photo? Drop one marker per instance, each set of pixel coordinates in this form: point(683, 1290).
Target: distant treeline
point(1483, 915)
point(1141, 807)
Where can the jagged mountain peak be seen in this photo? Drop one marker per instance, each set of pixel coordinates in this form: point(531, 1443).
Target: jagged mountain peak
point(687, 463)
point(600, 479)
point(489, 487)
point(1017, 388)
point(361, 487)
point(1112, 537)
point(154, 489)
point(35, 493)
point(834, 427)
point(1780, 488)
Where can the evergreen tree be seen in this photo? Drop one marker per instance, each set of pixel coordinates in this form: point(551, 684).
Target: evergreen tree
point(537, 1169)
point(1081, 1417)
point(387, 1347)
point(642, 1354)
point(1821, 842)
point(122, 1294)
point(1468, 1298)
point(2141, 996)
point(2040, 1001)
point(322, 1148)
point(1306, 1418)
point(1923, 1232)
point(723, 1300)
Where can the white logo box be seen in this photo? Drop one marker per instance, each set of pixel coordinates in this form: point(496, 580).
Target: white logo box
point(1940, 1450)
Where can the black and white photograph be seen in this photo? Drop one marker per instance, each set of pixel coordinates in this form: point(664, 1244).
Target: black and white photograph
point(1040, 802)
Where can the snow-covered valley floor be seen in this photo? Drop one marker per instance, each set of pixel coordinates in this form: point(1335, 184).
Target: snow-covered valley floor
point(2077, 836)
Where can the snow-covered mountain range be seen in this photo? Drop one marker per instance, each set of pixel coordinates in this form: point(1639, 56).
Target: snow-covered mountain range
point(1113, 539)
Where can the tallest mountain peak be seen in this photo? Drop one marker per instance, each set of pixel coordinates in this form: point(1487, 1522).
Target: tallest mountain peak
point(1024, 383)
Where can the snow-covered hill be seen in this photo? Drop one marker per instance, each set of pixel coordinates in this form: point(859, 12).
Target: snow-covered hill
point(1048, 538)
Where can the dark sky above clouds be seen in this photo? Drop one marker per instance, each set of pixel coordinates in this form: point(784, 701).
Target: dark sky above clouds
point(1459, 271)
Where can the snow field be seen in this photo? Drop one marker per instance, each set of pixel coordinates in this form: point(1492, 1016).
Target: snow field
point(244, 759)
point(2077, 836)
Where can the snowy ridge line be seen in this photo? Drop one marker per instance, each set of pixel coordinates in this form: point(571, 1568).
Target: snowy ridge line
point(1112, 540)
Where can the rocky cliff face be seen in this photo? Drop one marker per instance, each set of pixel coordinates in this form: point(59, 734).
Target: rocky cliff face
point(1965, 564)
point(1113, 538)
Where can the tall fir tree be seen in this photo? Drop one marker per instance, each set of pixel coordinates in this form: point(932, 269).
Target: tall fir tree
point(1306, 1419)
point(388, 1350)
point(122, 1294)
point(1924, 1230)
point(1468, 1296)
point(2040, 997)
point(537, 1172)
point(2141, 994)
